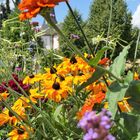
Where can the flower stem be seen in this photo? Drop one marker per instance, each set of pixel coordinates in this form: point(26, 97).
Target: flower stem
point(136, 49)
point(79, 26)
point(46, 15)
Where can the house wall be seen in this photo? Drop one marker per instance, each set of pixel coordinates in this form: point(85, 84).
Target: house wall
point(46, 42)
point(55, 42)
point(50, 42)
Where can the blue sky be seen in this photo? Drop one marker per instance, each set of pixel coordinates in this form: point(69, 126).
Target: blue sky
point(83, 7)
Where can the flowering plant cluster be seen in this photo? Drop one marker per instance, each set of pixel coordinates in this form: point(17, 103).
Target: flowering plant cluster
point(56, 84)
point(49, 102)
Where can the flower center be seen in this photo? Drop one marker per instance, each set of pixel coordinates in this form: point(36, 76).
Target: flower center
point(61, 77)
point(31, 76)
point(53, 70)
point(20, 131)
point(56, 86)
point(11, 114)
point(73, 60)
point(89, 57)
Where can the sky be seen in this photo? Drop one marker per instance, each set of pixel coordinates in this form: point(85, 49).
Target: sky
point(83, 7)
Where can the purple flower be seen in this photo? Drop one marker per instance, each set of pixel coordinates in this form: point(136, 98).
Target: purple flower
point(91, 135)
point(110, 137)
point(52, 15)
point(73, 36)
point(18, 68)
point(96, 126)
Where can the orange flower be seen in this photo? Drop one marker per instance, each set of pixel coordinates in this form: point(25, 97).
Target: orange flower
point(90, 102)
point(4, 95)
point(103, 61)
point(30, 8)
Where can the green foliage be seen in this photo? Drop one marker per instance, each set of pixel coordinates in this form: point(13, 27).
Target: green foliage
point(99, 19)
point(69, 27)
point(14, 30)
point(17, 39)
point(118, 66)
point(116, 91)
point(57, 121)
point(96, 75)
point(94, 61)
point(134, 33)
point(134, 92)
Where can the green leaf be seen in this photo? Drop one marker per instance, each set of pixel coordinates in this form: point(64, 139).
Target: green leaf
point(129, 77)
point(131, 123)
point(58, 112)
point(138, 137)
point(94, 61)
point(134, 92)
point(118, 66)
point(115, 93)
point(96, 75)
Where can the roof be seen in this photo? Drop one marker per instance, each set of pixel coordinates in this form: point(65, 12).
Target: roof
point(49, 30)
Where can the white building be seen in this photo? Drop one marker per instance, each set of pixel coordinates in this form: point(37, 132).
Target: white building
point(50, 38)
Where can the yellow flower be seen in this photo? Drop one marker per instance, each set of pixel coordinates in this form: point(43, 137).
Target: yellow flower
point(79, 79)
point(56, 90)
point(24, 101)
point(73, 66)
point(32, 79)
point(8, 117)
point(50, 73)
point(124, 105)
point(136, 76)
point(20, 133)
point(34, 96)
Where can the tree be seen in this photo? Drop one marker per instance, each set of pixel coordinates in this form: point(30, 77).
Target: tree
point(17, 2)
point(71, 31)
point(4, 11)
point(8, 6)
point(98, 22)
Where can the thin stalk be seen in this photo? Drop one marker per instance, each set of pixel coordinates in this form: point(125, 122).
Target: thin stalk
point(35, 107)
point(86, 40)
point(136, 50)
point(79, 26)
point(46, 15)
point(111, 74)
point(110, 19)
point(15, 114)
